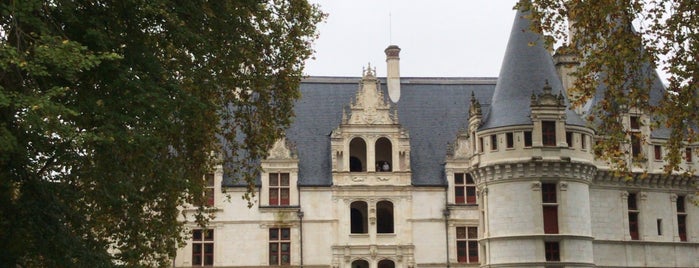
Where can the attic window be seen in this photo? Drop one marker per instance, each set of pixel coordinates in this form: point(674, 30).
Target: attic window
point(493, 142)
point(527, 139)
point(510, 140)
point(548, 133)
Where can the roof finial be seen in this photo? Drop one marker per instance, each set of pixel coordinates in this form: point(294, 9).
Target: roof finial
point(547, 87)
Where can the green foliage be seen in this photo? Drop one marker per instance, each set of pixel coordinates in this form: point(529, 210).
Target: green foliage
point(110, 112)
point(622, 60)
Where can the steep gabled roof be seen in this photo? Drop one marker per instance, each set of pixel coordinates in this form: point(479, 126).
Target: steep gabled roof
point(432, 110)
point(526, 67)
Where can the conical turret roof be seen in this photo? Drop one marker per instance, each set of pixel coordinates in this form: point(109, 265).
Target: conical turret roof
point(526, 67)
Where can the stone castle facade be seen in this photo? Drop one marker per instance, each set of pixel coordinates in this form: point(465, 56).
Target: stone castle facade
point(452, 172)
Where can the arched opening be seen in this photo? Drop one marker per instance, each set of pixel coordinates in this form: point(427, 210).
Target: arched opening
point(387, 264)
point(357, 155)
point(358, 218)
point(360, 264)
point(384, 217)
point(384, 155)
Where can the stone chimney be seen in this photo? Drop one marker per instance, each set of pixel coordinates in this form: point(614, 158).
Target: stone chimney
point(393, 72)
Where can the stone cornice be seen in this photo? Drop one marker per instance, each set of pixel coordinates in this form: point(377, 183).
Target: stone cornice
point(655, 181)
point(540, 170)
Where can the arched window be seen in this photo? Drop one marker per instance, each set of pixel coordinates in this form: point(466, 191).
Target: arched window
point(360, 264)
point(384, 155)
point(357, 155)
point(384, 217)
point(358, 218)
point(387, 264)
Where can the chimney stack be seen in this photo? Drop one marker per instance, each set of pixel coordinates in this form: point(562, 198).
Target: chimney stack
point(393, 72)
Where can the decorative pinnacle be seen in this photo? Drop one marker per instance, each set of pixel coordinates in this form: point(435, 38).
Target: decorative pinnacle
point(368, 72)
point(547, 87)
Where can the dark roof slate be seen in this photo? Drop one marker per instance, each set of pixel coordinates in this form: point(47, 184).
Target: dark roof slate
point(526, 67)
point(432, 110)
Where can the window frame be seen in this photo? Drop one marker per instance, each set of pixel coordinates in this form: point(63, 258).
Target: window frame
point(681, 208)
point(528, 139)
point(209, 189)
point(203, 240)
point(279, 243)
point(548, 133)
point(657, 152)
point(466, 185)
point(494, 142)
point(509, 140)
point(277, 188)
point(634, 215)
point(552, 251)
point(549, 203)
point(467, 244)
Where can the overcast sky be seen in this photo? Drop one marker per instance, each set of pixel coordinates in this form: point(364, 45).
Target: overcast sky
point(438, 38)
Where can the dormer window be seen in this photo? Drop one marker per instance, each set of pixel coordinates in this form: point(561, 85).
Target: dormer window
point(548, 133)
point(209, 189)
point(279, 189)
point(635, 123)
point(635, 145)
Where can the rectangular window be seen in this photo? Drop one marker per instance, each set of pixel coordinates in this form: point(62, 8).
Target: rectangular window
point(527, 139)
point(682, 227)
point(632, 202)
point(681, 218)
point(635, 123)
point(680, 204)
point(480, 143)
point(550, 219)
point(279, 246)
point(464, 189)
point(688, 154)
point(209, 189)
point(635, 145)
point(553, 252)
point(550, 207)
point(633, 216)
point(493, 142)
point(202, 247)
point(569, 139)
point(467, 244)
point(659, 224)
point(279, 189)
point(658, 152)
point(510, 137)
point(548, 133)
point(583, 142)
point(633, 225)
point(548, 193)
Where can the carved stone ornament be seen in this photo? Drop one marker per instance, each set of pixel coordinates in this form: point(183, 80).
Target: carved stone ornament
point(673, 198)
point(547, 98)
point(358, 179)
point(536, 186)
point(369, 105)
point(282, 149)
point(564, 186)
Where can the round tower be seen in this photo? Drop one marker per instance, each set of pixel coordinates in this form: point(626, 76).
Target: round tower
point(534, 164)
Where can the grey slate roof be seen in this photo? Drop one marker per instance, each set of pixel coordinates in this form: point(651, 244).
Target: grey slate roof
point(526, 67)
point(431, 109)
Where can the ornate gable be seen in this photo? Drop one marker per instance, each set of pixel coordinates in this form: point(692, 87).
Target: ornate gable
point(369, 146)
point(370, 106)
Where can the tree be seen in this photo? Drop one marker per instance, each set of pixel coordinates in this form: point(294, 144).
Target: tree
point(621, 58)
point(110, 112)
